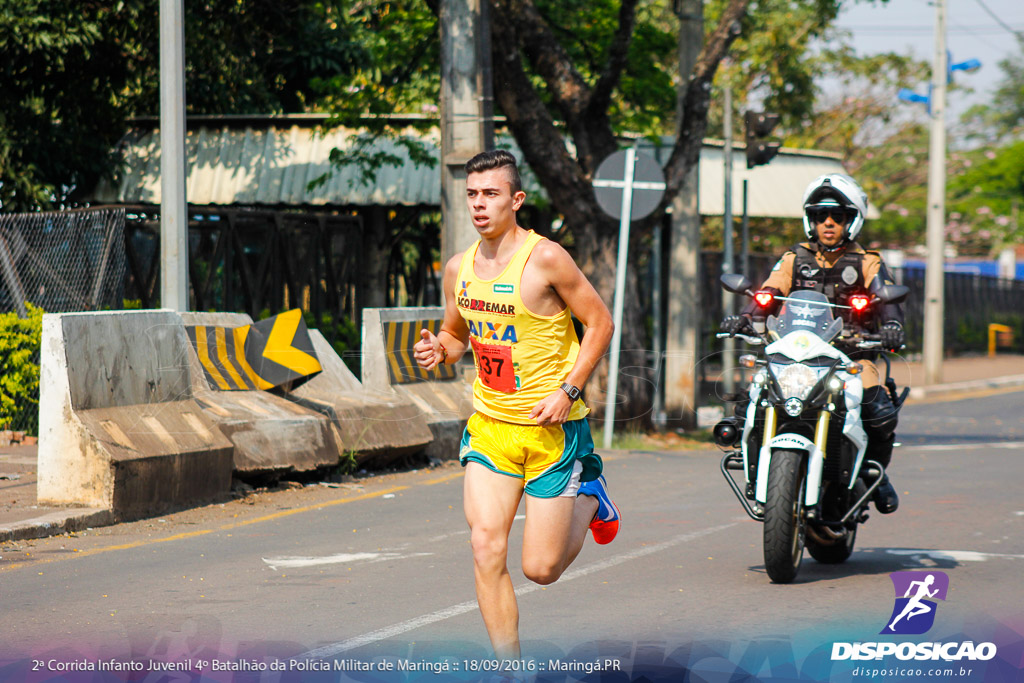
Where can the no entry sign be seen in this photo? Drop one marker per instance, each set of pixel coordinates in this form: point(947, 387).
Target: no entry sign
point(626, 177)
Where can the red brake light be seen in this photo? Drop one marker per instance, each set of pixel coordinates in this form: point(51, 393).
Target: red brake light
point(763, 299)
point(859, 302)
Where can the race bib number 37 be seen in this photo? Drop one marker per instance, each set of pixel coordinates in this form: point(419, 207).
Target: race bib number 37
point(494, 363)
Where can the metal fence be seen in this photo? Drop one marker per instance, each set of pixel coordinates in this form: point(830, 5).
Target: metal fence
point(50, 261)
point(971, 303)
point(62, 261)
point(257, 261)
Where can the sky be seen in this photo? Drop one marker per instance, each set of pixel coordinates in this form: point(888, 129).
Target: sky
point(908, 27)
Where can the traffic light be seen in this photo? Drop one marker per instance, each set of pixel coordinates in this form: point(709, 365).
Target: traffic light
point(759, 126)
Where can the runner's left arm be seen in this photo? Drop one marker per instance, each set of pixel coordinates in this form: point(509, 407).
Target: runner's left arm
point(579, 295)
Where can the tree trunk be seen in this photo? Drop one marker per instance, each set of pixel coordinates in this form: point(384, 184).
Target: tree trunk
point(374, 261)
point(597, 259)
point(519, 34)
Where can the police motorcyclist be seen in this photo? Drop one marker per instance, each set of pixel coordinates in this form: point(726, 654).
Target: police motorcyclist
point(831, 262)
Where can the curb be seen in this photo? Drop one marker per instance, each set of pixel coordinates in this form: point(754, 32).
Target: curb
point(954, 388)
point(56, 523)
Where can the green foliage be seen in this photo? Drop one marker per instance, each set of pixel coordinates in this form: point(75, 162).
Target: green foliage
point(771, 61)
point(62, 77)
point(984, 198)
point(20, 342)
point(73, 71)
point(395, 70)
point(1003, 118)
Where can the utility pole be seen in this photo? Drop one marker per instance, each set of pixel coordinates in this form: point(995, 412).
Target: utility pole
point(173, 200)
point(682, 344)
point(729, 347)
point(467, 112)
point(934, 280)
point(745, 238)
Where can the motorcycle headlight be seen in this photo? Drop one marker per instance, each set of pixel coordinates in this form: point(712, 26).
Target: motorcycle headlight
point(793, 407)
point(796, 379)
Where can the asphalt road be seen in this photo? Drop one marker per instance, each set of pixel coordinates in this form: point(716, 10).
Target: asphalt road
point(383, 568)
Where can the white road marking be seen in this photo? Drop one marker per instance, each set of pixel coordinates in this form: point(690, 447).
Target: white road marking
point(328, 651)
point(342, 558)
point(1010, 445)
point(955, 555)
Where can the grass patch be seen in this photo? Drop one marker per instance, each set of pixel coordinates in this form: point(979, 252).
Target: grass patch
point(700, 439)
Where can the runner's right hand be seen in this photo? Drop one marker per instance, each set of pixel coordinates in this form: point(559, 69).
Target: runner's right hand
point(427, 350)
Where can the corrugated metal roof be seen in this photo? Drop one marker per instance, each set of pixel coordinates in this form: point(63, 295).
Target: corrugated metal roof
point(273, 165)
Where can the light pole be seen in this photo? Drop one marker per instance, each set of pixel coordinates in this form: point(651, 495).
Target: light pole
point(935, 242)
point(934, 276)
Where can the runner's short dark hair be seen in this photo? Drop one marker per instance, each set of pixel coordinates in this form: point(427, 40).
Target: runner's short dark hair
point(496, 158)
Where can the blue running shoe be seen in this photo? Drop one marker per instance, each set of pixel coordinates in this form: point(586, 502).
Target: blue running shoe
point(606, 522)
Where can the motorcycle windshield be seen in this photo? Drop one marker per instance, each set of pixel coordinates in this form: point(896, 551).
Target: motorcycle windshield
point(809, 311)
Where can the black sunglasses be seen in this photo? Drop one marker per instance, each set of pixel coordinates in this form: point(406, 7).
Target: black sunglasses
point(839, 215)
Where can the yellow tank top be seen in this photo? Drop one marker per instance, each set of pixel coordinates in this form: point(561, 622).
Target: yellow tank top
point(520, 357)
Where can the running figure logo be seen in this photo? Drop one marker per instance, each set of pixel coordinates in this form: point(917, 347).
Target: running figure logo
point(916, 592)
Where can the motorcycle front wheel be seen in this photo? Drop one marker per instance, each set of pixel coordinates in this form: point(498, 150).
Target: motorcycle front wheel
point(783, 516)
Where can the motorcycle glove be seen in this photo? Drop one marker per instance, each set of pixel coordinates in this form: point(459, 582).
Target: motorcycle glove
point(735, 324)
point(892, 336)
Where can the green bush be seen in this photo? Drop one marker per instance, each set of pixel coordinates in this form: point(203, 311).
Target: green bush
point(20, 340)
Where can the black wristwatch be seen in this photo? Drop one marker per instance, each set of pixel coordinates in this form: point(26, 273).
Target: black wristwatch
point(571, 391)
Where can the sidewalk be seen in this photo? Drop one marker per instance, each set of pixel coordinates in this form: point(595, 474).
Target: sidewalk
point(21, 518)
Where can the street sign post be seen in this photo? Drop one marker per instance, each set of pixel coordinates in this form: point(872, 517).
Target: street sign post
point(629, 187)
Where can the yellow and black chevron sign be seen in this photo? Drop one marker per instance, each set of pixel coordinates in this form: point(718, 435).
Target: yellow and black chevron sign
point(399, 339)
point(263, 355)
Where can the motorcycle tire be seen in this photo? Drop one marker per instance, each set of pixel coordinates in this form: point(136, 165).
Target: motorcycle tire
point(783, 516)
point(837, 553)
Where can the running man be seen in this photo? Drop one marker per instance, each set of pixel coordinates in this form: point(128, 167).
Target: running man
point(511, 296)
point(914, 606)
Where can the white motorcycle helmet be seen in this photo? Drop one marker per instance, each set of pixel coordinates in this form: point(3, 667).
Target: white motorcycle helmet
point(832, 190)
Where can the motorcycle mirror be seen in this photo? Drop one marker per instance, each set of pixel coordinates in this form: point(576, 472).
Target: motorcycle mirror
point(735, 283)
point(892, 294)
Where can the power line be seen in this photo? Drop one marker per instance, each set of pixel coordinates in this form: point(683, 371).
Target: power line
point(922, 29)
point(999, 21)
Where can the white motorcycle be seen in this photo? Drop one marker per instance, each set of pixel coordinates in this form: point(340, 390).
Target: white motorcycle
point(801, 443)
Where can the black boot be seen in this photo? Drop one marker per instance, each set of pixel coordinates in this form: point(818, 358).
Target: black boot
point(886, 500)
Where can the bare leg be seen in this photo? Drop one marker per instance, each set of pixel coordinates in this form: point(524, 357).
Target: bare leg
point(490, 501)
point(555, 531)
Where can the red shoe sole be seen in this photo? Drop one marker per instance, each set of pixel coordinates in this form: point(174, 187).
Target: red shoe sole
point(604, 532)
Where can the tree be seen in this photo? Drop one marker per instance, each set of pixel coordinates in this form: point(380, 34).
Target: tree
point(75, 70)
point(61, 78)
point(1003, 118)
point(984, 200)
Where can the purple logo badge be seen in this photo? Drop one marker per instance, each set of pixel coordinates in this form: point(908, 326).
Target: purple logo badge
point(916, 593)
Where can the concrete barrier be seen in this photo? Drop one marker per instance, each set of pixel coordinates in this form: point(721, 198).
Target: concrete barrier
point(444, 396)
point(375, 427)
point(119, 428)
point(269, 432)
